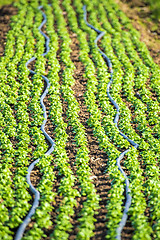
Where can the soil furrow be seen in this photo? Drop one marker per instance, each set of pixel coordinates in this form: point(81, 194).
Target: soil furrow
point(98, 159)
point(6, 12)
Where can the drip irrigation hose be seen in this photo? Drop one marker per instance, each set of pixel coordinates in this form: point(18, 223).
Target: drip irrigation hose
point(22, 227)
point(118, 160)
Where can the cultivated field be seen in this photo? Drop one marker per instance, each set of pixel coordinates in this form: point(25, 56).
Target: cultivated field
point(79, 125)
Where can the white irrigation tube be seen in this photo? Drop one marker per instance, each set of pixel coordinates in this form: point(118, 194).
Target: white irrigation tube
point(22, 227)
point(128, 196)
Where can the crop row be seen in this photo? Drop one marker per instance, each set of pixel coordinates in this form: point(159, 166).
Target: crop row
point(150, 171)
point(149, 174)
point(145, 153)
point(11, 156)
point(112, 220)
point(24, 129)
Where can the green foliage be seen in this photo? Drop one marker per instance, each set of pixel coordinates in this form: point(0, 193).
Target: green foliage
point(155, 8)
point(21, 117)
point(6, 2)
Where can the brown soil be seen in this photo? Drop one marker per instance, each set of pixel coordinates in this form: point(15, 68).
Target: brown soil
point(6, 12)
point(139, 13)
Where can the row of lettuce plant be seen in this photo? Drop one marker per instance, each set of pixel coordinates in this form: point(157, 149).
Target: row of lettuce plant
point(115, 90)
point(142, 72)
point(138, 106)
point(22, 138)
point(116, 192)
point(20, 208)
point(63, 224)
point(10, 128)
point(7, 194)
point(21, 110)
point(124, 60)
point(86, 215)
point(41, 219)
point(42, 215)
point(140, 46)
point(147, 135)
point(66, 209)
point(141, 80)
point(24, 131)
point(8, 63)
point(68, 181)
point(151, 170)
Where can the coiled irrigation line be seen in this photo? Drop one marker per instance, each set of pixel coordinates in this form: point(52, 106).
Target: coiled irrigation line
point(128, 196)
point(36, 193)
